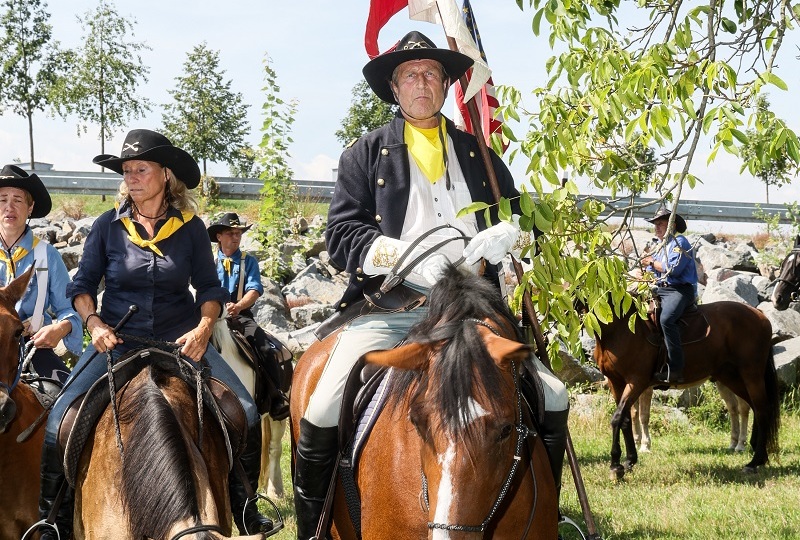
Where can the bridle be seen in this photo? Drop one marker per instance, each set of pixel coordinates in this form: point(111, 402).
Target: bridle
point(792, 286)
point(18, 372)
point(523, 432)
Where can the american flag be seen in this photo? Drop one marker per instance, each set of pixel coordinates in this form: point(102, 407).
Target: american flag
point(486, 99)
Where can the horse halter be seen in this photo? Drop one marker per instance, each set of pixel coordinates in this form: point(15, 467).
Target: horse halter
point(793, 286)
point(523, 432)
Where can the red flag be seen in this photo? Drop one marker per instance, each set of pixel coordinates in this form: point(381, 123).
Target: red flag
point(486, 99)
point(380, 11)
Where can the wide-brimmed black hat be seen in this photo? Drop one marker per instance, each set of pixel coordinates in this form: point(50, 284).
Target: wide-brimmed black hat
point(664, 212)
point(413, 46)
point(146, 145)
point(229, 220)
point(13, 176)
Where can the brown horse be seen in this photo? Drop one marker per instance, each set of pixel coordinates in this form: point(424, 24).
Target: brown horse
point(737, 352)
point(19, 462)
point(169, 480)
point(451, 453)
point(787, 284)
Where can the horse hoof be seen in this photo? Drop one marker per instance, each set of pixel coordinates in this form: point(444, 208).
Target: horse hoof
point(750, 469)
point(617, 473)
point(629, 466)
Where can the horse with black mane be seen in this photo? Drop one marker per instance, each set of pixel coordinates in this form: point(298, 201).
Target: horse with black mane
point(787, 284)
point(454, 451)
point(735, 349)
point(156, 464)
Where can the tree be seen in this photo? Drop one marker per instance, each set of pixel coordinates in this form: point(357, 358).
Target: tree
point(770, 165)
point(31, 64)
point(279, 193)
point(687, 75)
point(206, 118)
point(367, 112)
point(104, 87)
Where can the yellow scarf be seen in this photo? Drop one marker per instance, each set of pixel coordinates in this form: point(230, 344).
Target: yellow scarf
point(227, 264)
point(18, 255)
point(172, 225)
point(425, 147)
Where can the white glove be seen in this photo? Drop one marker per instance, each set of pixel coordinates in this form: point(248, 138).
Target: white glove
point(384, 253)
point(493, 243)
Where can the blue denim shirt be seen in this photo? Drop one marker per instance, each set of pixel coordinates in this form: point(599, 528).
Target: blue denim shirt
point(158, 285)
point(678, 260)
point(56, 301)
point(252, 275)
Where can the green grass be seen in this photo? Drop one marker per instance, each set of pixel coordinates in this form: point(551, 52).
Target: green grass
point(689, 487)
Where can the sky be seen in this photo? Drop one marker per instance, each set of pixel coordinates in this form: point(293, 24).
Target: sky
point(317, 51)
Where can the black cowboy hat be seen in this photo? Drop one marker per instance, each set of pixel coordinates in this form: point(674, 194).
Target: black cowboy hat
point(13, 176)
point(413, 46)
point(664, 212)
point(146, 145)
point(228, 220)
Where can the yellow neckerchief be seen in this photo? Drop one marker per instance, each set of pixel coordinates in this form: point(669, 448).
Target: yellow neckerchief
point(227, 262)
point(172, 225)
point(425, 146)
point(18, 255)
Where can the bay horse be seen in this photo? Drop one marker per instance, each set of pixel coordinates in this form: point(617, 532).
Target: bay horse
point(787, 284)
point(164, 474)
point(451, 455)
point(737, 352)
point(19, 462)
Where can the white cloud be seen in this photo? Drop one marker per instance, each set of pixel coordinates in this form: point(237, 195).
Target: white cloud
point(319, 168)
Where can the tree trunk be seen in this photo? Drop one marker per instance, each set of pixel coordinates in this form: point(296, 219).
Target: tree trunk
point(30, 138)
point(766, 185)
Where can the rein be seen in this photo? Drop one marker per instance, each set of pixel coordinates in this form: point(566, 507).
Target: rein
point(523, 432)
point(23, 351)
point(197, 529)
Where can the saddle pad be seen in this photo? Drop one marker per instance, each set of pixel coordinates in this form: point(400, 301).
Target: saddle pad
point(369, 416)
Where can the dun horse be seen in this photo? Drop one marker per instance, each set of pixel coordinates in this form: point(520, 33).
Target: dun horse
point(19, 462)
point(451, 451)
point(737, 352)
point(165, 477)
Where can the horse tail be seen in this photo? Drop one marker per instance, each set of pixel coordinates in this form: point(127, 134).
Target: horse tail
point(773, 405)
point(157, 485)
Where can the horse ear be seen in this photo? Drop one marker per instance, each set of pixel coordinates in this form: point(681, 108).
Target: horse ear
point(16, 289)
point(504, 350)
point(410, 356)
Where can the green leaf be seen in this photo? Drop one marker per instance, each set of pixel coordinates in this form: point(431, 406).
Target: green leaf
point(728, 25)
point(472, 208)
point(537, 21)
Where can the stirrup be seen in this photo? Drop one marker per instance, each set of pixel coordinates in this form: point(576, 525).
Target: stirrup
point(564, 519)
point(35, 527)
point(277, 525)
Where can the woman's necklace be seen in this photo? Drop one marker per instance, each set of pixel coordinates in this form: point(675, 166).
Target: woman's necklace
point(159, 216)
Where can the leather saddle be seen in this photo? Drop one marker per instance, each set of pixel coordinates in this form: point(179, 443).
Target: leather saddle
point(693, 324)
point(83, 414)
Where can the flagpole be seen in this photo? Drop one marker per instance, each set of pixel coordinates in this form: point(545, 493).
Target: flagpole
point(527, 302)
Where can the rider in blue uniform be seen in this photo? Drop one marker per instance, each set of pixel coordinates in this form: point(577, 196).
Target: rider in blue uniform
point(676, 277)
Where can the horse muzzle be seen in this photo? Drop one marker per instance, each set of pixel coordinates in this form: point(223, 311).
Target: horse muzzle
point(8, 410)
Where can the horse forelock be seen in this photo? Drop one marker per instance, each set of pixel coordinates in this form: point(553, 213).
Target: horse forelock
point(461, 378)
point(157, 483)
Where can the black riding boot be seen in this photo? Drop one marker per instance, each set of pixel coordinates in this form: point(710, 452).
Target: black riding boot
point(245, 513)
point(52, 476)
point(554, 437)
point(315, 459)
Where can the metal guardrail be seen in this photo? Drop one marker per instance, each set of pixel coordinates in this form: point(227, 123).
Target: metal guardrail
point(98, 183)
